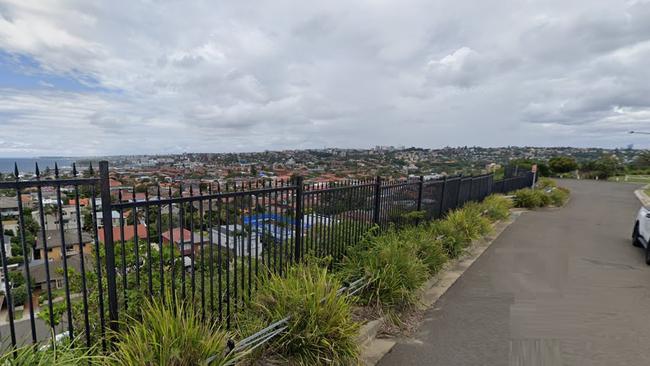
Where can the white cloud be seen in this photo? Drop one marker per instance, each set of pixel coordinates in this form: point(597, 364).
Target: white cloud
point(246, 75)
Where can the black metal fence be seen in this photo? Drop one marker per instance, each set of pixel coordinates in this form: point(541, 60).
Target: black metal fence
point(85, 254)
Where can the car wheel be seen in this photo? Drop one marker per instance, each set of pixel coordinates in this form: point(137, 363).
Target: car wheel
point(635, 236)
point(647, 255)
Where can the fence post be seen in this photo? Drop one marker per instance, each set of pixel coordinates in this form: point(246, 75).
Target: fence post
point(420, 187)
point(442, 196)
point(107, 217)
point(460, 186)
point(298, 219)
point(375, 216)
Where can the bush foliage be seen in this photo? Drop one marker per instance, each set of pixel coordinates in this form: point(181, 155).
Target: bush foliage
point(392, 268)
point(66, 353)
point(547, 193)
point(321, 329)
point(398, 262)
point(170, 335)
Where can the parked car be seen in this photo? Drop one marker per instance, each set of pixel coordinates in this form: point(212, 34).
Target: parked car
point(641, 232)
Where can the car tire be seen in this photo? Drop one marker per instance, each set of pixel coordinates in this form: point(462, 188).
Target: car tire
point(647, 255)
point(635, 236)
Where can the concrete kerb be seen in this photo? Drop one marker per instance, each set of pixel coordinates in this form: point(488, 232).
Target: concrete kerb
point(642, 196)
point(373, 348)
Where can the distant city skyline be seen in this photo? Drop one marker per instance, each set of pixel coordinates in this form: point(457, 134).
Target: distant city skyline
point(116, 78)
point(399, 147)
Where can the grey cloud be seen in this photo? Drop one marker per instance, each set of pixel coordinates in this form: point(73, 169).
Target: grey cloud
point(284, 74)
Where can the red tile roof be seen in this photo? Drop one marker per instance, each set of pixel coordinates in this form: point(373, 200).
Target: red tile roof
point(129, 233)
point(177, 235)
point(82, 202)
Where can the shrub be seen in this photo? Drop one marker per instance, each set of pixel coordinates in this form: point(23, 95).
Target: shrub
point(469, 222)
point(393, 269)
point(496, 207)
point(559, 196)
point(547, 193)
point(321, 329)
point(460, 227)
point(529, 198)
point(544, 183)
point(169, 335)
point(426, 245)
point(412, 218)
point(17, 259)
point(19, 295)
point(61, 353)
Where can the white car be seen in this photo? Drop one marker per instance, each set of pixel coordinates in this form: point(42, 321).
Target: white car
point(641, 233)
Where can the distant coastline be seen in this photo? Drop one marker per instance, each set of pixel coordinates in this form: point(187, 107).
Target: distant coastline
point(28, 164)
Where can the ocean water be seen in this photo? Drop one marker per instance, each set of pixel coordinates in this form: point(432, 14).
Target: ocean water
point(26, 165)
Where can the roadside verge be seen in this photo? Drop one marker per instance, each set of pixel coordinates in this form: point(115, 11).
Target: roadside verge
point(643, 196)
point(373, 348)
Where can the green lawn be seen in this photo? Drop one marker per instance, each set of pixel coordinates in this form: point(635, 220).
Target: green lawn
point(630, 179)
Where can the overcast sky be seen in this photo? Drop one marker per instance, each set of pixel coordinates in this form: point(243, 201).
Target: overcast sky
point(118, 77)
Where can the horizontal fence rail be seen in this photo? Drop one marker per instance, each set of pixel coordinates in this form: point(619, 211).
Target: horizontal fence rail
point(80, 252)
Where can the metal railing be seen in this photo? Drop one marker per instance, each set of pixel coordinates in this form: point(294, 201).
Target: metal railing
point(205, 244)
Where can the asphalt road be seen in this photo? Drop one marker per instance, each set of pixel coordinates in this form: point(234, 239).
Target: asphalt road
point(24, 332)
point(558, 287)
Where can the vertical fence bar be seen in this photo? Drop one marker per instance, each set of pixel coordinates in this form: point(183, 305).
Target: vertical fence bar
point(419, 202)
point(82, 245)
point(64, 254)
point(298, 219)
point(100, 291)
point(21, 223)
point(420, 188)
point(105, 188)
point(442, 196)
point(8, 284)
point(377, 206)
point(41, 215)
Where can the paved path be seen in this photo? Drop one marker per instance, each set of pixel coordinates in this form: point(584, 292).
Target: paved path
point(558, 287)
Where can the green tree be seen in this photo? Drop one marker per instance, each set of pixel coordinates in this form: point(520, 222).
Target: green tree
point(543, 169)
point(16, 278)
point(19, 295)
point(642, 161)
point(562, 164)
point(602, 168)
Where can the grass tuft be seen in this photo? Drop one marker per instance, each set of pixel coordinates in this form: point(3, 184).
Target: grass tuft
point(497, 207)
point(62, 353)
point(321, 329)
point(169, 335)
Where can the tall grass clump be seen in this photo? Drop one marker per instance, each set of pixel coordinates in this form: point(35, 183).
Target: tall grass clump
point(460, 227)
point(321, 329)
point(66, 353)
point(453, 241)
point(469, 222)
point(427, 246)
point(544, 183)
point(393, 269)
point(559, 196)
point(170, 335)
point(496, 207)
point(530, 198)
point(547, 193)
